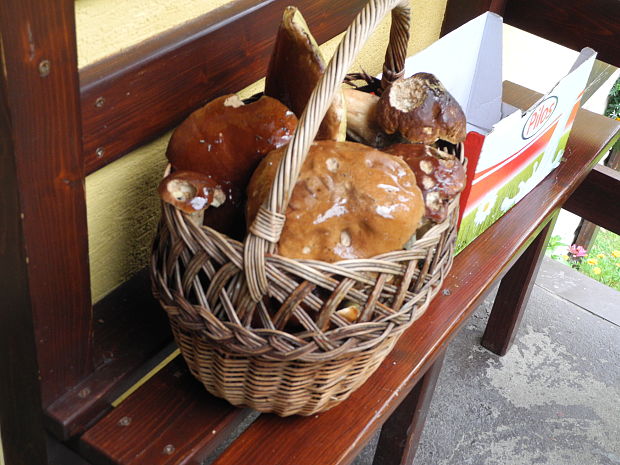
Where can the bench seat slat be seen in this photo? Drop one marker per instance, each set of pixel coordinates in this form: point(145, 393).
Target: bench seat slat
point(169, 420)
point(130, 330)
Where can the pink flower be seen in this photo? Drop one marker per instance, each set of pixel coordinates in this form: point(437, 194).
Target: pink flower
point(577, 251)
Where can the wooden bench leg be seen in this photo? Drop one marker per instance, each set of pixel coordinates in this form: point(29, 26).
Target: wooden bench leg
point(400, 434)
point(513, 294)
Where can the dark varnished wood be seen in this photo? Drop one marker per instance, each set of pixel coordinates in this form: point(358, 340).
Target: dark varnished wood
point(44, 315)
point(20, 398)
point(587, 231)
point(492, 253)
point(43, 108)
point(401, 433)
point(458, 12)
point(129, 329)
point(585, 234)
point(147, 89)
point(59, 454)
point(572, 23)
point(144, 431)
point(514, 293)
point(597, 198)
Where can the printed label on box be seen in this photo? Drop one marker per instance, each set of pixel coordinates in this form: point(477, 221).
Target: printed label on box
point(509, 150)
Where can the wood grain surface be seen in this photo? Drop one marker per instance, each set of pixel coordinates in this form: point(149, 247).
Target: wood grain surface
point(597, 198)
point(43, 105)
point(514, 293)
point(20, 397)
point(44, 316)
point(458, 12)
point(131, 98)
point(572, 23)
point(401, 432)
point(171, 420)
point(129, 330)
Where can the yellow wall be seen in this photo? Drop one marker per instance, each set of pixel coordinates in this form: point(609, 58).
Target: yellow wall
point(122, 205)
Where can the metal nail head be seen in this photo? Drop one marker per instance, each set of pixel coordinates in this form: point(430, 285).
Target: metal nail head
point(169, 449)
point(44, 68)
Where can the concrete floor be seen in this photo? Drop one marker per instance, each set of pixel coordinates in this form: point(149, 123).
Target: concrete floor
point(554, 399)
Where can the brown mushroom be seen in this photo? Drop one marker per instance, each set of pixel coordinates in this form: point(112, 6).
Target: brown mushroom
point(294, 70)
point(439, 175)
point(350, 201)
point(192, 193)
point(420, 109)
point(226, 139)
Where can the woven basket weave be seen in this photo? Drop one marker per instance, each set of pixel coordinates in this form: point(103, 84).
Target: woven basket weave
point(215, 289)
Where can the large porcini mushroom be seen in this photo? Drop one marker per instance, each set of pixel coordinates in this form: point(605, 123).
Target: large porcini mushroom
point(439, 175)
point(420, 109)
point(294, 70)
point(192, 193)
point(350, 201)
point(226, 139)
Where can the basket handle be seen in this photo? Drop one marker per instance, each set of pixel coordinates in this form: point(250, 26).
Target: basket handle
point(265, 231)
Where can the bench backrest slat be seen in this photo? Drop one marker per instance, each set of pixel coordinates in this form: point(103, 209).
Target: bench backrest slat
point(131, 98)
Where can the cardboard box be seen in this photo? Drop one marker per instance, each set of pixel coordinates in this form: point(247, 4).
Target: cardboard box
point(509, 150)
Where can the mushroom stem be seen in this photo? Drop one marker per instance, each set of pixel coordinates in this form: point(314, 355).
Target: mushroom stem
point(350, 312)
point(361, 118)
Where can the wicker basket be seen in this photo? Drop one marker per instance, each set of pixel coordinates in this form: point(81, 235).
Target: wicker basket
point(213, 287)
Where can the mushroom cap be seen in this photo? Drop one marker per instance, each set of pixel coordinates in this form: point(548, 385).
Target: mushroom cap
point(350, 201)
point(191, 192)
point(439, 175)
point(226, 139)
point(295, 67)
point(421, 110)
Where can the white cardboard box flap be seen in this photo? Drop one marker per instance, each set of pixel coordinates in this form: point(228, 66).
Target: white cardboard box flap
point(468, 61)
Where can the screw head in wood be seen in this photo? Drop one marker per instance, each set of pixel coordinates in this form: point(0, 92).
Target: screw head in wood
point(100, 152)
point(125, 421)
point(44, 68)
point(99, 102)
point(169, 449)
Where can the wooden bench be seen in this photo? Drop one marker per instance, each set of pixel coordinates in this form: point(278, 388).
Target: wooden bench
point(64, 362)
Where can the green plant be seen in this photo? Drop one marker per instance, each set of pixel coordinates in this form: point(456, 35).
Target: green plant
point(613, 101)
point(603, 261)
point(554, 243)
